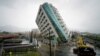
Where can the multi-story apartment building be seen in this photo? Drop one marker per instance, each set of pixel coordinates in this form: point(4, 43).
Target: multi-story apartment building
point(51, 24)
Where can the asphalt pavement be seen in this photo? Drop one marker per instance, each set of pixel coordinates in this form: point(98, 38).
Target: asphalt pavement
point(66, 50)
point(97, 50)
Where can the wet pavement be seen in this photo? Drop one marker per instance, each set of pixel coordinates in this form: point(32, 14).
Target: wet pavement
point(65, 51)
point(97, 50)
point(68, 51)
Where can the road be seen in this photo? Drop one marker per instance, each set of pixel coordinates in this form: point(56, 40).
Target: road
point(97, 51)
point(68, 51)
point(64, 51)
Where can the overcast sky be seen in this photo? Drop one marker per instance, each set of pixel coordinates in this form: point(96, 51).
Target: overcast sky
point(81, 15)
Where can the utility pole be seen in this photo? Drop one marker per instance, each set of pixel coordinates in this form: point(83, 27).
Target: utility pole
point(54, 46)
point(31, 36)
point(50, 42)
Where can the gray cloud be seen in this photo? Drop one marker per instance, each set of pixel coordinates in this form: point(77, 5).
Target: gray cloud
point(82, 15)
point(91, 9)
point(17, 12)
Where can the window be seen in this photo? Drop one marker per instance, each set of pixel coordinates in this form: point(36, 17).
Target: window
point(49, 28)
point(47, 34)
point(45, 21)
point(41, 15)
point(42, 19)
point(38, 19)
point(40, 11)
point(53, 35)
point(43, 28)
point(47, 24)
point(45, 31)
point(58, 19)
point(41, 25)
point(52, 32)
point(40, 22)
point(62, 25)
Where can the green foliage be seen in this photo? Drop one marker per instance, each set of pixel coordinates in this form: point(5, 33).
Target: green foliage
point(94, 37)
point(28, 53)
point(4, 32)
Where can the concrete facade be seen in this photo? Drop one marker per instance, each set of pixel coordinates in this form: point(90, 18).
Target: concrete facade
point(50, 23)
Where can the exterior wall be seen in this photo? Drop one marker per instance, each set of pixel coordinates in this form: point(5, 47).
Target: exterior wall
point(48, 19)
point(45, 25)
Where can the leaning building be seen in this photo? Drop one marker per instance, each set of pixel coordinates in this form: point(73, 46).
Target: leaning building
point(51, 24)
